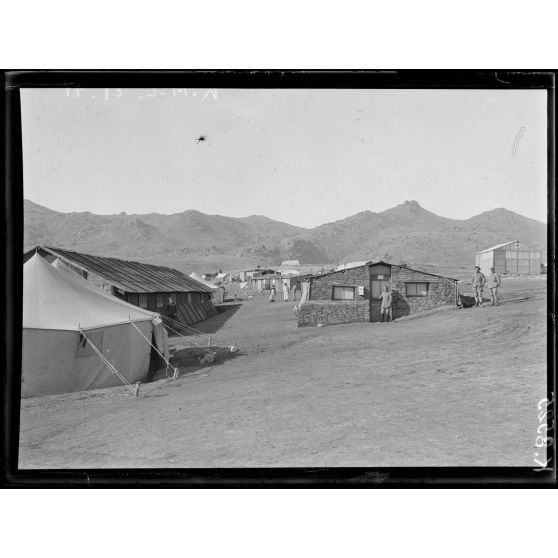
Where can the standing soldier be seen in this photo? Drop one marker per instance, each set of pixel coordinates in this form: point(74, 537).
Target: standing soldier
point(477, 282)
point(494, 281)
point(386, 304)
point(171, 310)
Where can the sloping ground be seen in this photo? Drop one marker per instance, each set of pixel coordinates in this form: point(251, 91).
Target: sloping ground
point(454, 388)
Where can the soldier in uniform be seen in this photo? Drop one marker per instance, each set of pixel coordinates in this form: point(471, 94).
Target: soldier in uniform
point(386, 304)
point(477, 283)
point(171, 310)
point(494, 281)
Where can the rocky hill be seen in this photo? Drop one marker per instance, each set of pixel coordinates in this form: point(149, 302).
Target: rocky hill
point(410, 233)
point(193, 240)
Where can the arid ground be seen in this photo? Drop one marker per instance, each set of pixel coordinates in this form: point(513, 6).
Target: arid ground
point(451, 388)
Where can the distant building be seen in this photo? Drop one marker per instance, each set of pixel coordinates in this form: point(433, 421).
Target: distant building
point(248, 274)
point(262, 272)
point(352, 295)
point(293, 279)
point(263, 281)
point(144, 285)
point(515, 258)
point(290, 262)
point(218, 296)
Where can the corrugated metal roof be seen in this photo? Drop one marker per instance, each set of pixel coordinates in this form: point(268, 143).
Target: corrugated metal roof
point(497, 246)
point(132, 277)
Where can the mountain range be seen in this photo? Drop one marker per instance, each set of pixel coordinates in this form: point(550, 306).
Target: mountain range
point(192, 240)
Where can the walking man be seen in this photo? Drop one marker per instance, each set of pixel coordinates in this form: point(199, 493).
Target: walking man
point(477, 282)
point(494, 281)
point(385, 310)
point(272, 291)
point(285, 291)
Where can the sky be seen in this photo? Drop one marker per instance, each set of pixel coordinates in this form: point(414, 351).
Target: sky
point(303, 156)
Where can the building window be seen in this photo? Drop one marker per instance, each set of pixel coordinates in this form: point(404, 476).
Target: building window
point(142, 301)
point(344, 293)
point(416, 289)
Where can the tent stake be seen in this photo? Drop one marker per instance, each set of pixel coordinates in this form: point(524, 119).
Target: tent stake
point(136, 390)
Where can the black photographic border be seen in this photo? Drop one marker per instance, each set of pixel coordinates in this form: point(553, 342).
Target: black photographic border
point(318, 477)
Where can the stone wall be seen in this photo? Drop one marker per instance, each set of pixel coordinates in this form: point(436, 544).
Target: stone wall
point(321, 287)
point(314, 312)
point(321, 309)
point(441, 291)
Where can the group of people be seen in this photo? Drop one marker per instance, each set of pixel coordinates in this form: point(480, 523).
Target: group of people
point(479, 281)
point(287, 292)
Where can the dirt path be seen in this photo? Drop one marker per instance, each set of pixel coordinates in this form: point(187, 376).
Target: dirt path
point(457, 387)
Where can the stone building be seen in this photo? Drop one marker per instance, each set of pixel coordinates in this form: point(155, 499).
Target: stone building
point(352, 295)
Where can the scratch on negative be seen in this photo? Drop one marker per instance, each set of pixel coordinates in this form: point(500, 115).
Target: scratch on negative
point(517, 141)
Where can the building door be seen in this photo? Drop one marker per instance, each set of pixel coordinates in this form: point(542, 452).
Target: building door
point(380, 276)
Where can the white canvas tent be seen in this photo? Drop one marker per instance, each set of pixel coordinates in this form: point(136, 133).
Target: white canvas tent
point(218, 291)
point(223, 277)
point(66, 320)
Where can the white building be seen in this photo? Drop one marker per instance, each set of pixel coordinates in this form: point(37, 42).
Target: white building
point(514, 257)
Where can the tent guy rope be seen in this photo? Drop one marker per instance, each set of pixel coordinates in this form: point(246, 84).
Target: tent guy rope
point(108, 364)
point(199, 334)
point(174, 369)
point(191, 341)
point(180, 324)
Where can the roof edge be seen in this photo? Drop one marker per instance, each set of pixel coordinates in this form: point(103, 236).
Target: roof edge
point(381, 262)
